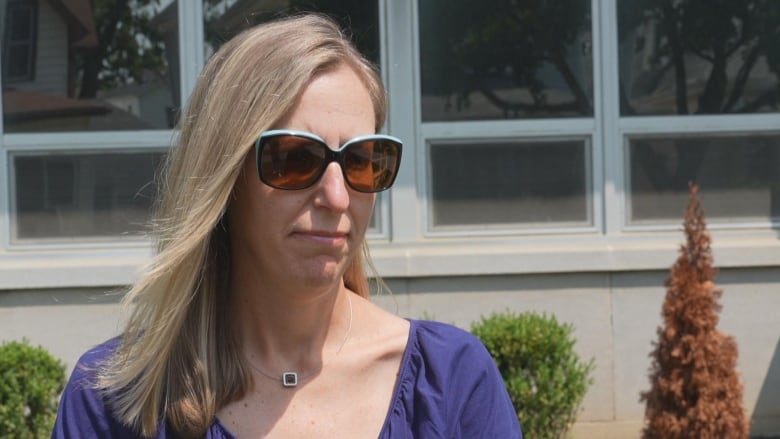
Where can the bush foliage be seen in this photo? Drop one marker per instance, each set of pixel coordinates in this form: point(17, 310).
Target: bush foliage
point(545, 377)
point(31, 381)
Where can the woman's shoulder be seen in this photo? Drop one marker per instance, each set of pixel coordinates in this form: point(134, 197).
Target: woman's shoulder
point(440, 328)
point(449, 386)
point(85, 409)
point(86, 371)
point(82, 409)
point(442, 339)
point(446, 352)
point(97, 355)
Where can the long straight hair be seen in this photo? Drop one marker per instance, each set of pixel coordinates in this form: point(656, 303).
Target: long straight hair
point(179, 359)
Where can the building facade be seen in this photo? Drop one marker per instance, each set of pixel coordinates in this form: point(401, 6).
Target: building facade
point(548, 152)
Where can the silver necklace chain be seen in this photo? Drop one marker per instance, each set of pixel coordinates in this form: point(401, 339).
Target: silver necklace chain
point(290, 378)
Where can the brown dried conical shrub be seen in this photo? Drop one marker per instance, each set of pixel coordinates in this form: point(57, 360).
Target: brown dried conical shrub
point(695, 389)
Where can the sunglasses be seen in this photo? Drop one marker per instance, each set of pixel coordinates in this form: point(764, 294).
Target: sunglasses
point(294, 160)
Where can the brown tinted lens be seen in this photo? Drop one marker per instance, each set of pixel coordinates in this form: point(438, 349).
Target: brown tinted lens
point(291, 162)
point(371, 165)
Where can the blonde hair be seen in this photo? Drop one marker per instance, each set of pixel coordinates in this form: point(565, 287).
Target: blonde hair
point(179, 357)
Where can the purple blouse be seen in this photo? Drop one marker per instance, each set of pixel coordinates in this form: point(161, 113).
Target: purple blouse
point(448, 387)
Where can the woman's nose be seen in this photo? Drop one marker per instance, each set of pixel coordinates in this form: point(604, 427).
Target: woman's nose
point(333, 191)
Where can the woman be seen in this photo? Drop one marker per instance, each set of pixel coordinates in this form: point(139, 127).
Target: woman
point(252, 320)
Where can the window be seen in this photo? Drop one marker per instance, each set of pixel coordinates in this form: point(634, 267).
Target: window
point(224, 19)
point(83, 196)
point(518, 64)
point(84, 135)
point(507, 61)
point(721, 64)
point(19, 41)
point(692, 58)
point(518, 139)
point(577, 123)
point(510, 183)
point(98, 69)
point(740, 177)
point(86, 131)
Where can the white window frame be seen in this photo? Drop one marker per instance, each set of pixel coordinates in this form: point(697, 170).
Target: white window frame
point(403, 246)
point(141, 142)
point(105, 261)
point(88, 263)
point(728, 126)
point(610, 245)
point(494, 133)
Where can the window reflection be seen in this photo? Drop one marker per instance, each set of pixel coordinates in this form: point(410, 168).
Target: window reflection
point(81, 65)
point(83, 195)
point(225, 18)
point(19, 38)
point(507, 60)
point(738, 177)
point(535, 184)
point(695, 57)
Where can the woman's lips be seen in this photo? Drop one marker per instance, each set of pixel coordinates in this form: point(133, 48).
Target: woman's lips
point(322, 237)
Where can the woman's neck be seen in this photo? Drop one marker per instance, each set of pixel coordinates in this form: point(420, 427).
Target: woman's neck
point(284, 330)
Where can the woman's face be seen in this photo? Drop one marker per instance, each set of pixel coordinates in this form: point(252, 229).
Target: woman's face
point(310, 235)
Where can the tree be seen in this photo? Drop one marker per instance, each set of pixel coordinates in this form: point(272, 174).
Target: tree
point(359, 18)
point(730, 48)
point(469, 47)
point(128, 47)
point(726, 38)
point(695, 390)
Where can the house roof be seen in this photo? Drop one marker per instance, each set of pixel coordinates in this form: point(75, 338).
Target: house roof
point(22, 105)
point(81, 21)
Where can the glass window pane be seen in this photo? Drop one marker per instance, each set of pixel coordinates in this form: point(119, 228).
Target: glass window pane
point(375, 223)
point(533, 184)
point(19, 62)
point(20, 20)
point(98, 66)
point(505, 60)
point(65, 196)
point(18, 48)
point(696, 57)
point(739, 177)
point(224, 19)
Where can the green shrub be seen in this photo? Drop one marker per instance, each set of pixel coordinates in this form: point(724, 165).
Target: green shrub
point(544, 376)
point(31, 381)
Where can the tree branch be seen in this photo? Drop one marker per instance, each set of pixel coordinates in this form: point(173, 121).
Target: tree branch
point(741, 79)
point(515, 108)
point(580, 97)
point(681, 86)
point(769, 98)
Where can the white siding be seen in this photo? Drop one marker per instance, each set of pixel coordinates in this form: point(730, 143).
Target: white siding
point(615, 316)
point(51, 58)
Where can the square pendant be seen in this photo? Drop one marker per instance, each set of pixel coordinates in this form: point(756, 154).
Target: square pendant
point(290, 379)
